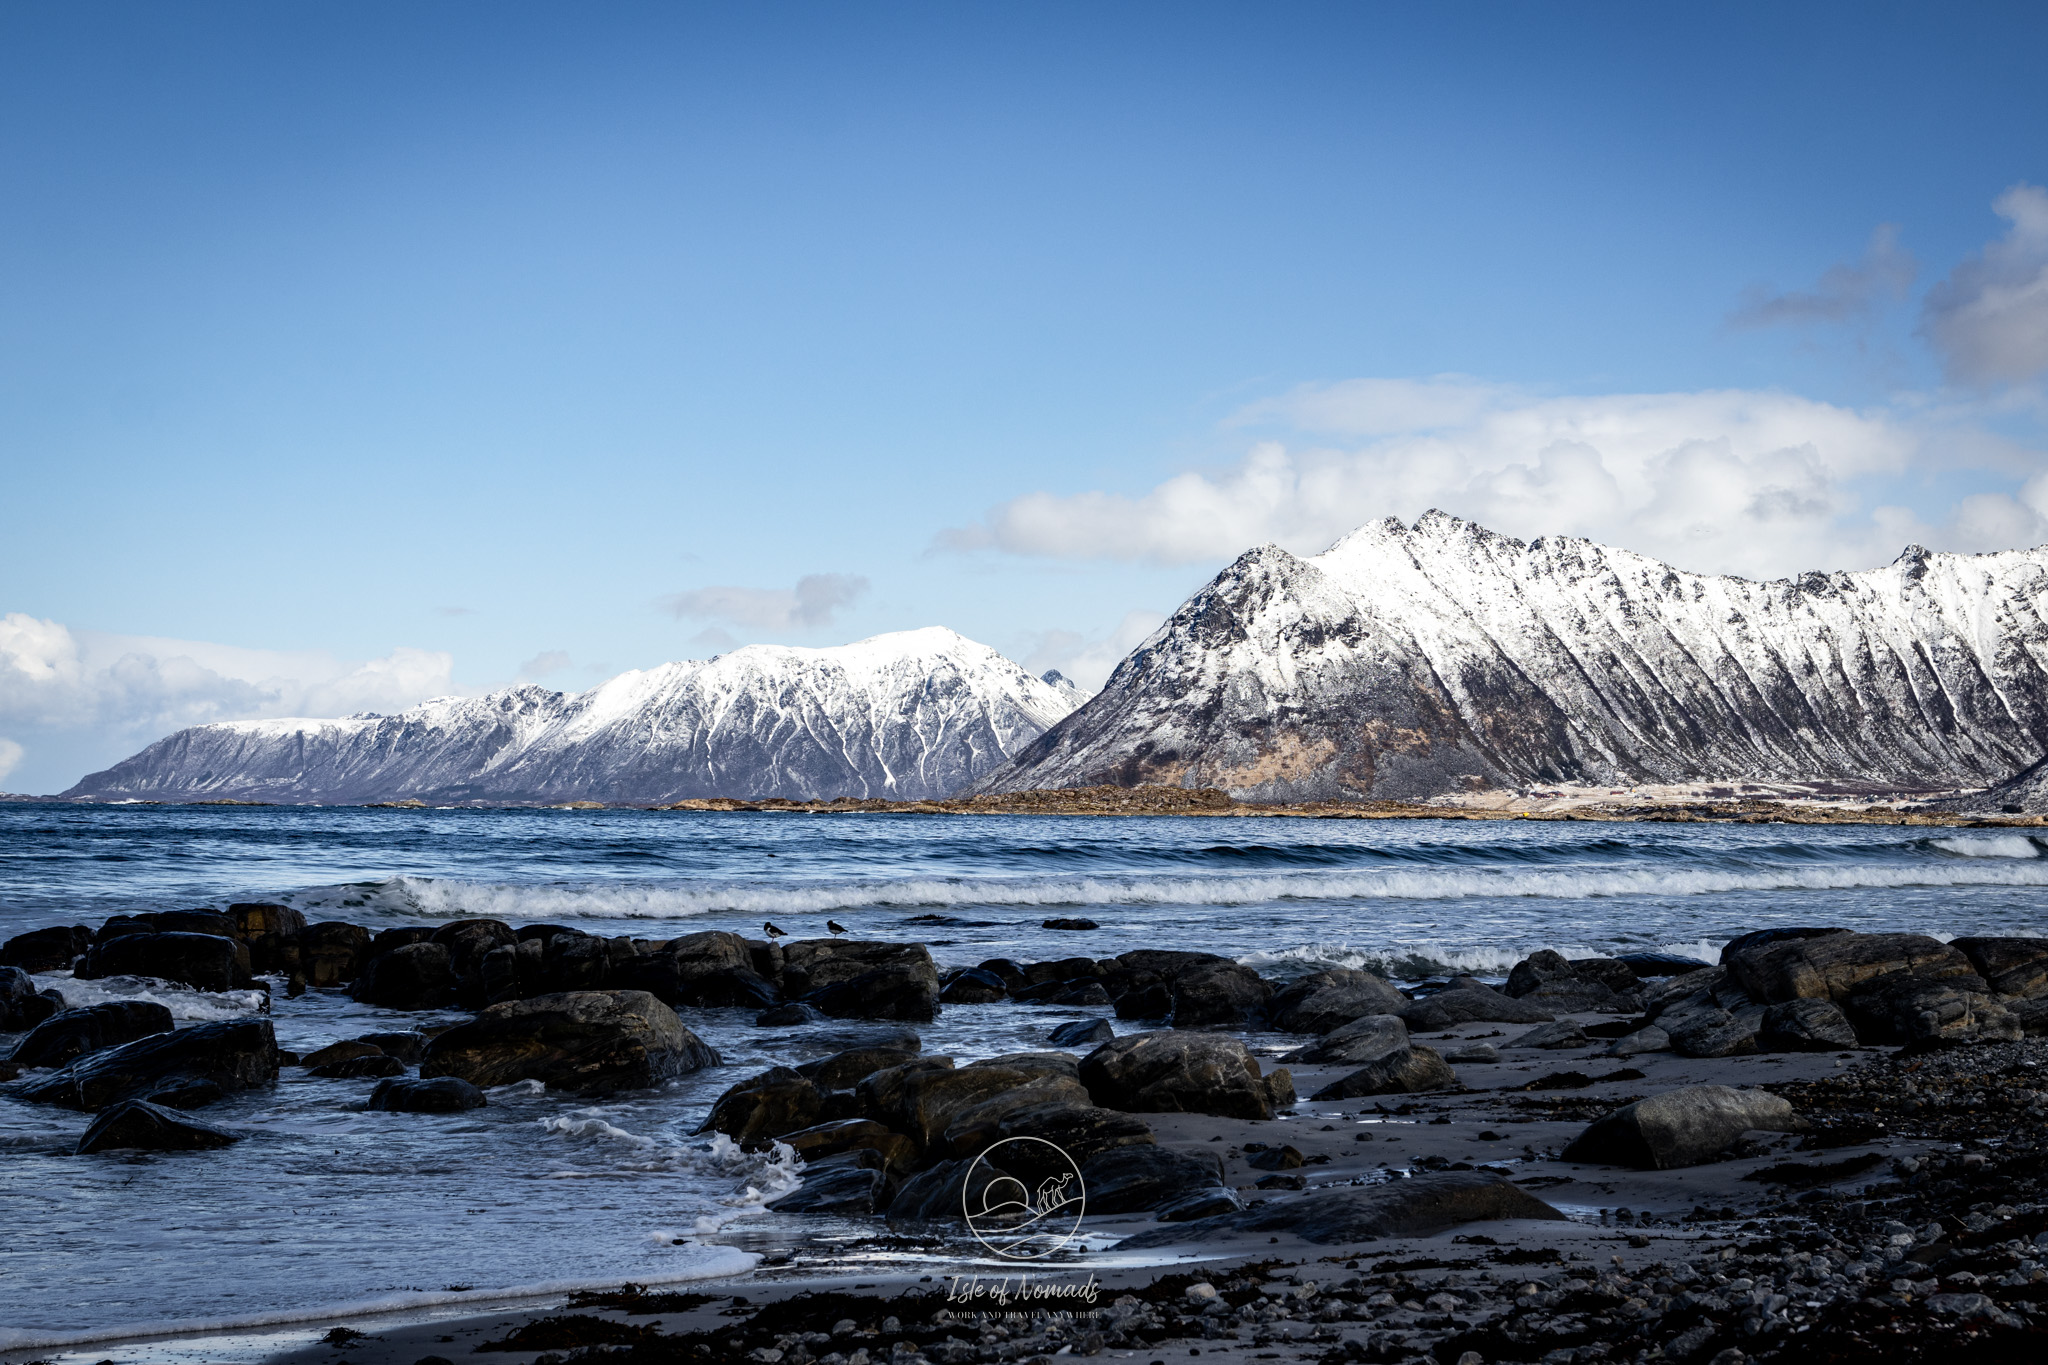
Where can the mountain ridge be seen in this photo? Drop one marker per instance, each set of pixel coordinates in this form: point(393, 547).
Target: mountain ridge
point(1411, 661)
point(907, 715)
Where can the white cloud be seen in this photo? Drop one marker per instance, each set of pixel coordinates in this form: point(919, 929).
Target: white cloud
point(1738, 481)
point(1843, 292)
point(10, 757)
point(545, 664)
point(1989, 318)
point(1087, 661)
point(85, 697)
point(813, 602)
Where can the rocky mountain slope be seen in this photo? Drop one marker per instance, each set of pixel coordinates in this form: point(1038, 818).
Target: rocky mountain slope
point(910, 715)
point(1406, 662)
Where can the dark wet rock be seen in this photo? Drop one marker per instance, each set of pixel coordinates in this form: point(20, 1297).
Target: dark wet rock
point(17, 990)
point(1360, 1040)
point(1071, 925)
point(1036, 1063)
point(150, 1127)
point(341, 1052)
point(1087, 995)
point(1647, 1039)
point(2010, 966)
point(583, 1042)
point(1902, 1007)
point(2031, 1015)
point(1142, 1178)
point(842, 1185)
point(712, 969)
point(843, 1070)
point(391, 940)
point(46, 1005)
point(1143, 997)
point(1649, 965)
point(1006, 970)
point(357, 1068)
point(1473, 1054)
point(46, 950)
point(409, 1046)
point(1681, 1127)
point(1215, 995)
point(185, 1069)
point(1178, 1071)
point(1080, 1131)
point(1418, 1207)
point(417, 976)
point(921, 1100)
point(973, 986)
point(116, 925)
point(1713, 1032)
point(74, 1033)
point(766, 1106)
point(789, 1016)
point(1562, 1034)
point(941, 1193)
point(1284, 1157)
point(208, 962)
point(209, 922)
point(1062, 969)
point(1213, 1202)
point(897, 1152)
point(468, 942)
point(973, 1126)
point(1805, 1026)
point(332, 953)
point(440, 1095)
point(272, 933)
point(1548, 979)
point(1404, 1071)
point(1834, 966)
point(1470, 1005)
point(1764, 938)
point(1322, 1001)
point(852, 980)
point(1082, 1033)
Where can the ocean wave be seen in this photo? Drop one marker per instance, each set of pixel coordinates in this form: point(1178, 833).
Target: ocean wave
point(448, 898)
point(1989, 846)
point(184, 1002)
point(1425, 958)
point(704, 1263)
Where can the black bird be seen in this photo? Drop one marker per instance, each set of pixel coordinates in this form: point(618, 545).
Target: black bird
point(774, 932)
point(835, 926)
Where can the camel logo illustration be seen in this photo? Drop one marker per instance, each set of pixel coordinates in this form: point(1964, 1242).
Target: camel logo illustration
point(1023, 1198)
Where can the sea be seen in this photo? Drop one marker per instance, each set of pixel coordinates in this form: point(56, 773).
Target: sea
point(326, 1210)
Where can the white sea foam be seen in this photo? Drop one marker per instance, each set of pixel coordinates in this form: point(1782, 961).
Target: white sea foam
point(1407, 961)
point(446, 898)
point(183, 1002)
point(1990, 846)
point(703, 1263)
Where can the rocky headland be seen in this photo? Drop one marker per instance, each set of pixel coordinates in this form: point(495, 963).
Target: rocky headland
point(1828, 1143)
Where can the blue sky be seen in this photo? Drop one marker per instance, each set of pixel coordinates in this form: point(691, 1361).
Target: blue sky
point(355, 352)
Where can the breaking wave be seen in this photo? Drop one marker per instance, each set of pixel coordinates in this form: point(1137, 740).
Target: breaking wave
point(448, 898)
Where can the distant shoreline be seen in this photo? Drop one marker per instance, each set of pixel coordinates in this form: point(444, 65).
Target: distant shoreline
point(1786, 803)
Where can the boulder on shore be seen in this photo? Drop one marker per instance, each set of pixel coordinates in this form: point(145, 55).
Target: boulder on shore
point(1806, 1026)
point(859, 980)
point(17, 991)
point(1403, 1071)
point(776, 1102)
point(207, 962)
point(1681, 1127)
point(1470, 1005)
point(1832, 966)
point(1141, 1178)
point(583, 1042)
point(185, 1070)
point(2011, 966)
point(1326, 1000)
point(1176, 1071)
point(441, 1095)
point(46, 950)
point(151, 1127)
point(1418, 1207)
point(71, 1034)
point(415, 976)
point(1906, 1008)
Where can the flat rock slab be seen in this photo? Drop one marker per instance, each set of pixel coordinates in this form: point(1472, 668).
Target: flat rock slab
point(185, 1069)
point(1419, 1207)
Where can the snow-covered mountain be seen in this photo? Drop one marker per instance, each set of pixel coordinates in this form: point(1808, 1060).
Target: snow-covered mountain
point(906, 716)
point(1413, 661)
